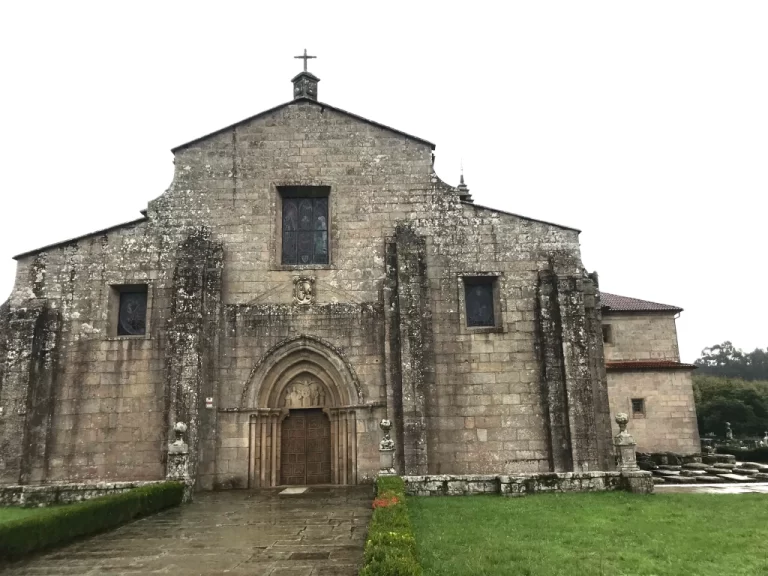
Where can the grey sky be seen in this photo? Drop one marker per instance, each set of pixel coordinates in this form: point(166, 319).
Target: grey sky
point(641, 123)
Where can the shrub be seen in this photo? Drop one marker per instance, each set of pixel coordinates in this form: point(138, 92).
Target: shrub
point(58, 525)
point(755, 455)
point(390, 549)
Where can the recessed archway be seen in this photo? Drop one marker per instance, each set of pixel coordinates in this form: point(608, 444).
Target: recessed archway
point(307, 382)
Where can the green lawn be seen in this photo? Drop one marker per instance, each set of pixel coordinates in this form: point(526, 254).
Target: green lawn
point(12, 513)
point(615, 534)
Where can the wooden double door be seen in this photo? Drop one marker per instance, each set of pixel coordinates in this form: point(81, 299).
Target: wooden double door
point(305, 451)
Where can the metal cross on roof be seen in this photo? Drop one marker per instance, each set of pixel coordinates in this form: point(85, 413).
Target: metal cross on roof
point(305, 58)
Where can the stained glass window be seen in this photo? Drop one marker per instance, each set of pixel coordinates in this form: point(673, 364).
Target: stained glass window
point(132, 317)
point(305, 230)
point(478, 293)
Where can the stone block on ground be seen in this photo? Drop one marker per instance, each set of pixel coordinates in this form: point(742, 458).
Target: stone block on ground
point(736, 477)
point(754, 466)
point(681, 480)
point(761, 476)
point(710, 480)
point(692, 473)
point(659, 480)
point(696, 466)
point(669, 467)
point(666, 473)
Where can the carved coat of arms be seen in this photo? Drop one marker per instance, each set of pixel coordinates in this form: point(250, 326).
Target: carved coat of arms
point(303, 290)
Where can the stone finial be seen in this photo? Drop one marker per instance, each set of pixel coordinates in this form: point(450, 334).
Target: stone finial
point(386, 442)
point(625, 445)
point(179, 429)
point(464, 189)
point(622, 420)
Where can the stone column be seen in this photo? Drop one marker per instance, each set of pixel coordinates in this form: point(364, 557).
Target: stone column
point(386, 451)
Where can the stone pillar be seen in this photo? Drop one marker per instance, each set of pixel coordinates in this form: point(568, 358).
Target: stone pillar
point(407, 271)
point(27, 389)
point(178, 460)
point(594, 323)
point(191, 348)
point(625, 446)
point(386, 451)
point(550, 347)
point(632, 478)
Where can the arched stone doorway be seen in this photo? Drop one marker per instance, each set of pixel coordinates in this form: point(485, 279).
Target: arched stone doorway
point(303, 423)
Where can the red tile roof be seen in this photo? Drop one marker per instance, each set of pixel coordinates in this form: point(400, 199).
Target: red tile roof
point(648, 365)
point(615, 303)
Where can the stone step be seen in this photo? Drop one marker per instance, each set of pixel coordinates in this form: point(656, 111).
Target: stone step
point(672, 467)
point(659, 480)
point(713, 471)
point(692, 472)
point(696, 466)
point(707, 479)
point(681, 480)
point(667, 472)
point(761, 476)
point(723, 465)
point(736, 477)
point(745, 471)
point(754, 466)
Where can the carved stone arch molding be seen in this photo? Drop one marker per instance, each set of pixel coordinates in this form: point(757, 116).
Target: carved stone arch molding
point(302, 373)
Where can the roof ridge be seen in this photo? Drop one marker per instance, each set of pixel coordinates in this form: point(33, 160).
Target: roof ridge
point(618, 303)
point(311, 101)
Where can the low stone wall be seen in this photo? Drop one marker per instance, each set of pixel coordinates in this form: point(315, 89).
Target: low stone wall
point(522, 484)
point(48, 494)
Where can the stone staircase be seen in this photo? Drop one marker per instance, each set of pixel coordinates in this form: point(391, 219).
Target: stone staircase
point(707, 469)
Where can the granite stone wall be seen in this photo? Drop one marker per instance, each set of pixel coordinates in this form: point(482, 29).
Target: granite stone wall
point(669, 423)
point(650, 336)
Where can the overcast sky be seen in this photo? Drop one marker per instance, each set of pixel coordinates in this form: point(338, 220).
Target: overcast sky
point(644, 124)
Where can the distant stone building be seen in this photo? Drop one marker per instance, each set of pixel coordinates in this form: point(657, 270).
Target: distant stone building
point(645, 376)
point(306, 275)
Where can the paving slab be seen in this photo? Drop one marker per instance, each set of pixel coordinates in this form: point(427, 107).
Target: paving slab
point(746, 488)
point(233, 532)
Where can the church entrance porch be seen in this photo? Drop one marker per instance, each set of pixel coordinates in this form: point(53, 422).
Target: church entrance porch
point(305, 454)
point(303, 424)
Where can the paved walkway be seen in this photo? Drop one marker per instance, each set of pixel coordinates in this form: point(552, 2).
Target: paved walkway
point(749, 488)
point(234, 533)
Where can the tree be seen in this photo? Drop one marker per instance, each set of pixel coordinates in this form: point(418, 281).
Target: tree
point(719, 400)
point(730, 362)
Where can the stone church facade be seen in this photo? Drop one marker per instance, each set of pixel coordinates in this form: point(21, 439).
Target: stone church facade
point(306, 275)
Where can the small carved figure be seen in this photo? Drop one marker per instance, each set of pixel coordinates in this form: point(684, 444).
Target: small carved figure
point(728, 431)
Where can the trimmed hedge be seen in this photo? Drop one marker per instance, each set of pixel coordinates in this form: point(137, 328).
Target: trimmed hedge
point(755, 455)
point(390, 549)
point(58, 525)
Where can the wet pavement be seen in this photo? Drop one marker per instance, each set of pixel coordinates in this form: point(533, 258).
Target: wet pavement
point(238, 533)
point(747, 488)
